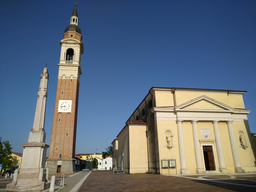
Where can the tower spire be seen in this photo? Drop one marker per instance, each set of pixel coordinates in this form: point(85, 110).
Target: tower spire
point(74, 16)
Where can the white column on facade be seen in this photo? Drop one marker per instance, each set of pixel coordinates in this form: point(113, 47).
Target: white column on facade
point(183, 166)
point(238, 168)
point(219, 148)
point(199, 166)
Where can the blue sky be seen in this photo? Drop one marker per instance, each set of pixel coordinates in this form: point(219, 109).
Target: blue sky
point(129, 46)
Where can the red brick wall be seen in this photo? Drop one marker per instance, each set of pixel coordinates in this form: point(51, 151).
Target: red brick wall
point(64, 123)
point(75, 36)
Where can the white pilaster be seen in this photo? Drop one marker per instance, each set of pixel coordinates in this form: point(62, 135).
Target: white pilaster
point(238, 168)
point(199, 166)
point(222, 167)
point(183, 166)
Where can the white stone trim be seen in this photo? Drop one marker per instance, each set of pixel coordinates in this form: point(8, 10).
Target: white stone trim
point(165, 116)
point(207, 140)
point(137, 125)
point(162, 109)
point(169, 115)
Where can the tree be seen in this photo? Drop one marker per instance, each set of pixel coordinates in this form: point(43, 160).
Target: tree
point(94, 163)
point(104, 154)
point(6, 155)
point(108, 152)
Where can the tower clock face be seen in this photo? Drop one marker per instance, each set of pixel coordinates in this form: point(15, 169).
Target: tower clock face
point(65, 106)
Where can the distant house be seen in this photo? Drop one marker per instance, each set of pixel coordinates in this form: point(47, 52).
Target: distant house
point(88, 156)
point(105, 164)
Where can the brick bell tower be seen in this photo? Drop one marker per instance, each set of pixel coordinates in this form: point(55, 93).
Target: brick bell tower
point(63, 137)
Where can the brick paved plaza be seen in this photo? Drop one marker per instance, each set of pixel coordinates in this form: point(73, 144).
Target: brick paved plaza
point(109, 181)
point(101, 181)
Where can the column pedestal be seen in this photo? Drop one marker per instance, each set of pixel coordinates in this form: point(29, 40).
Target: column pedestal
point(32, 176)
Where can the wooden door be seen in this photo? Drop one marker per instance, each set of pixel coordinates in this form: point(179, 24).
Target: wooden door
point(208, 158)
point(58, 168)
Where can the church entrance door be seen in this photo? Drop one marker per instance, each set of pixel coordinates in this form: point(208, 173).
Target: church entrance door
point(208, 158)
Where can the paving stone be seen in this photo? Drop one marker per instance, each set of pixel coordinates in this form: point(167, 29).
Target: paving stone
point(106, 181)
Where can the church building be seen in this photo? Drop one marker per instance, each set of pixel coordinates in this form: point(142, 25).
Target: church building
point(186, 131)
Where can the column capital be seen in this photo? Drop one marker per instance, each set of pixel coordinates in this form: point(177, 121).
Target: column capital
point(194, 121)
point(230, 121)
point(215, 121)
point(179, 121)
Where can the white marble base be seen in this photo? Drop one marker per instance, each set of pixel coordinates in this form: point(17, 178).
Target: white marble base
point(200, 171)
point(239, 170)
point(29, 179)
point(184, 171)
point(224, 170)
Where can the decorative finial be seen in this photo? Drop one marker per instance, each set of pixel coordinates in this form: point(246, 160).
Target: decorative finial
point(75, 2)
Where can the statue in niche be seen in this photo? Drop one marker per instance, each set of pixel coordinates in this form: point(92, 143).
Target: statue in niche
point(242, 141)
point(169, 140)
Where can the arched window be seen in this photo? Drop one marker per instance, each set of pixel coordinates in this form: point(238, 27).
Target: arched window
point(70, 55)
point(60, 156)
point(137, 117)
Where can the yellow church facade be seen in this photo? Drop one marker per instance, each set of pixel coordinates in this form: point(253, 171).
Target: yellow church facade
point(186, 131)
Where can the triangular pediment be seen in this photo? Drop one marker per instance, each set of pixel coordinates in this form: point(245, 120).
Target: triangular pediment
point(204, 103)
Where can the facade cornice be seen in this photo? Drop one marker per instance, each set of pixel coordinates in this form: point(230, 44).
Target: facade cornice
point(195, 89)
point(137, 125)
point(203, 110)
point(69, 65)
point(162, 109)
point(70, 40)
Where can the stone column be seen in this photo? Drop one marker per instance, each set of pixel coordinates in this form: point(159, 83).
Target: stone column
point(183, 166)
point(238, 168)
point(222, 167)
point(199, 167)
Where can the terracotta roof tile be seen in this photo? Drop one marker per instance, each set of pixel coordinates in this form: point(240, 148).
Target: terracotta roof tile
point(19, 154)
point(138, 122)
point(88, 154)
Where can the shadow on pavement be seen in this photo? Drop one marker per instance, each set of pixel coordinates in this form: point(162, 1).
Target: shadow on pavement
point(232, 186)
